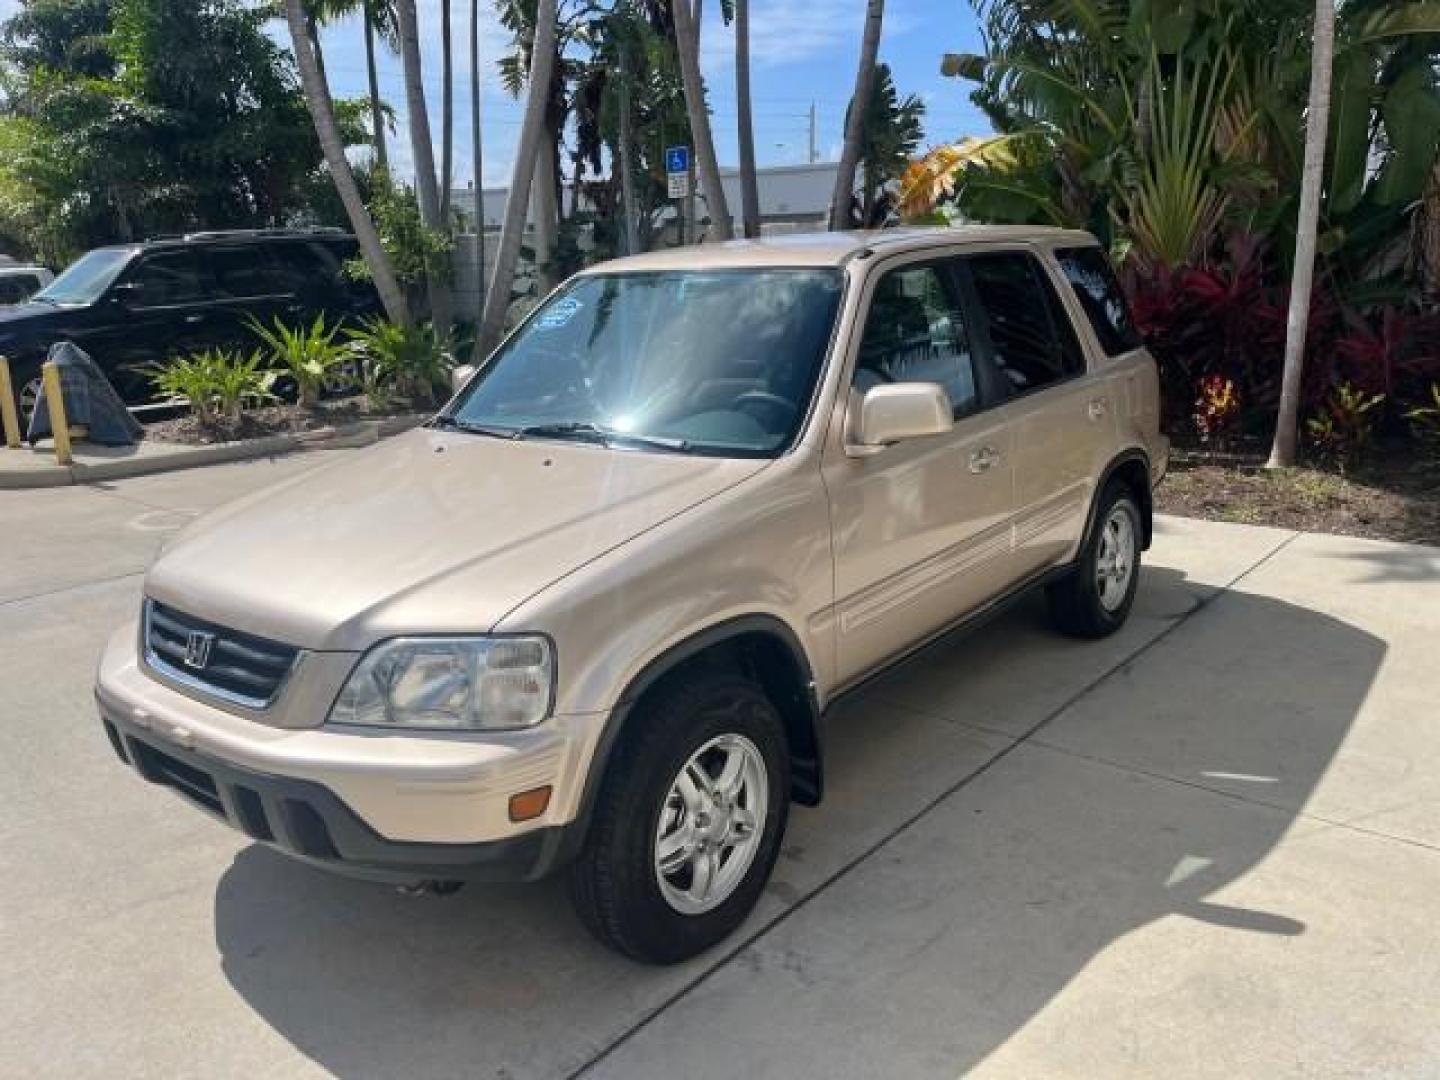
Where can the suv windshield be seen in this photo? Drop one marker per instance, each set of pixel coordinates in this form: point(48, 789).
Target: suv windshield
point(719, 362)
point(87, 278)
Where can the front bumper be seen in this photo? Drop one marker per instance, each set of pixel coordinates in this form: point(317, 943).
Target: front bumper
point(308, 821)
point(394, 805)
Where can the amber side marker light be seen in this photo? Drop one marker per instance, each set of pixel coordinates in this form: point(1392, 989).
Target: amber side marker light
point(529, 804)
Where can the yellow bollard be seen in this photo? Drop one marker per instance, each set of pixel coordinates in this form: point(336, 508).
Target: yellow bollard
point(59, 423)
point(8, 418)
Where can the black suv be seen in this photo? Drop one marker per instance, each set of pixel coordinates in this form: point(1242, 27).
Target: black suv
point(130, 304)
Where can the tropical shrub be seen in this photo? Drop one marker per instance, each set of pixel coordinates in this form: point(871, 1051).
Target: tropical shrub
point(1216, 408)
point(1425, 420)
point(217, 384)
point(308, 355)
point(1341, 430)
point(407, 361)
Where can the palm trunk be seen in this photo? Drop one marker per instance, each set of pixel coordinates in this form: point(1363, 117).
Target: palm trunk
point(625, 155)
point(377, 108)
point(1307, 229)
point(542, 66)
point(447, 113)
point(476, 159)
point(855, 117)
point(423, 152)
point(749, 186)
point(544, 208)
point(312, 34)
point(322, 112)
point(687, 47)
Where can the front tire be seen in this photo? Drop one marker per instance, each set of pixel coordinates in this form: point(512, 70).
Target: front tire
point(688, 820)
point(1094, 600)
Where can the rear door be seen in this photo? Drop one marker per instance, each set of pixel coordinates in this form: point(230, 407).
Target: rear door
point(1059, 414)
point(248, 286)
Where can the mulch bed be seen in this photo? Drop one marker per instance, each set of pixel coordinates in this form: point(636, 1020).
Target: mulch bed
point(1394, 494)
point(270, 420)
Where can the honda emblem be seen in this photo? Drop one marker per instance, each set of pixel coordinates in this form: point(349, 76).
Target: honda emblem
point(197, 649)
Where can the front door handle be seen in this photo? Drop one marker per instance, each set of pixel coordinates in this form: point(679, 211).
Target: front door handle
point(191, 320)
point(1097, 408)
point(984, 459)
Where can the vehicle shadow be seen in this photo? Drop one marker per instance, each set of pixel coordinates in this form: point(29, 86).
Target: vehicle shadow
point(1066, 845)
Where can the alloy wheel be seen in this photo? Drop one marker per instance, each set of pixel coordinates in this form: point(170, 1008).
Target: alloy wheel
point(711, 824)
point(1115, 558)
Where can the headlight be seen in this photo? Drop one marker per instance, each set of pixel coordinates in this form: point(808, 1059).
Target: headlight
point(462, 683)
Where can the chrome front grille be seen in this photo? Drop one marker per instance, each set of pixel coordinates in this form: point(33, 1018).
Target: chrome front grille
point(214, 660)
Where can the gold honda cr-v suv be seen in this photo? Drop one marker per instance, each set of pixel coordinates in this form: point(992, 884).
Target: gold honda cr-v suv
point(594, 613)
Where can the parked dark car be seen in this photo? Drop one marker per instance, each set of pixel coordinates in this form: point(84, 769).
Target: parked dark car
point(131, 304)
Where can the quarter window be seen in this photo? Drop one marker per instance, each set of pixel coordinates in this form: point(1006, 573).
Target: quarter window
point(1030, 334)
point(915, 332)
point(1099, 294)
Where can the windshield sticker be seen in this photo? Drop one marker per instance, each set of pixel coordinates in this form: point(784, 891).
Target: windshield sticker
point(559, 313)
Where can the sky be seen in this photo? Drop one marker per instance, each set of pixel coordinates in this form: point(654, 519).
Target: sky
point(802, 51)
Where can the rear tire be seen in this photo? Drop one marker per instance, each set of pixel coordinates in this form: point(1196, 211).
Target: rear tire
point(1094, 600)
point(676, 859)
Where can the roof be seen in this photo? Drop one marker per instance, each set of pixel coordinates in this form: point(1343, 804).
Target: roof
point(833, 248)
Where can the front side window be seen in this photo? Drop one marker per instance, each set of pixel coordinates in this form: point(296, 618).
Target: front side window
point(915, 332)
point(166, 278)
point(1030, 335)
point(86, 279)
point(722, 362)
point(1099, 294)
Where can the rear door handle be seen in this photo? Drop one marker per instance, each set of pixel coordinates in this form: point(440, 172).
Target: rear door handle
point(191, 320)
point(984, 459)
point(1097, 408)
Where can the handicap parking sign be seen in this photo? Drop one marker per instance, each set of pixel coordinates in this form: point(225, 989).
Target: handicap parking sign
point(677, 159)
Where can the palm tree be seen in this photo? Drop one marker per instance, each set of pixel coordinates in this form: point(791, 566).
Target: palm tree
point(687, 49)
point(542, 66)
point(379, 18)
point(749, 187)
point(447, 113)
point(322, 112)
point(476, 158)
point(855, 120)
point(423, 151)
point(1307, 229)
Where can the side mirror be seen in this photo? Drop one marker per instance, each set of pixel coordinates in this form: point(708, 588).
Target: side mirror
point(459, 376)
point(895, 412)
point(125, 294)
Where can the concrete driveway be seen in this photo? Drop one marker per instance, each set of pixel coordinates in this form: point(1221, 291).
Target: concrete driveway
point(1209, 846)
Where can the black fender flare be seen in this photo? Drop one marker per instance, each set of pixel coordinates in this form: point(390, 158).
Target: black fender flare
point(807, 772)
point(1147, 506)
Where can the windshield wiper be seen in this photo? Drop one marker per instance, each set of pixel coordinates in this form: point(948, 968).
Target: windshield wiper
point(582, 429)
point(451, 423)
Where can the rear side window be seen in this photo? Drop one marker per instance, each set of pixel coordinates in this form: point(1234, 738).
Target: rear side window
point(243, 271)
point(1032, 341)
point(307, 267)
point(1099, 294)
point(915, 332)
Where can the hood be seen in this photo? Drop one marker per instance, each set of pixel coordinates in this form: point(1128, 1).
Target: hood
point(429, 532)
point(27, 315)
